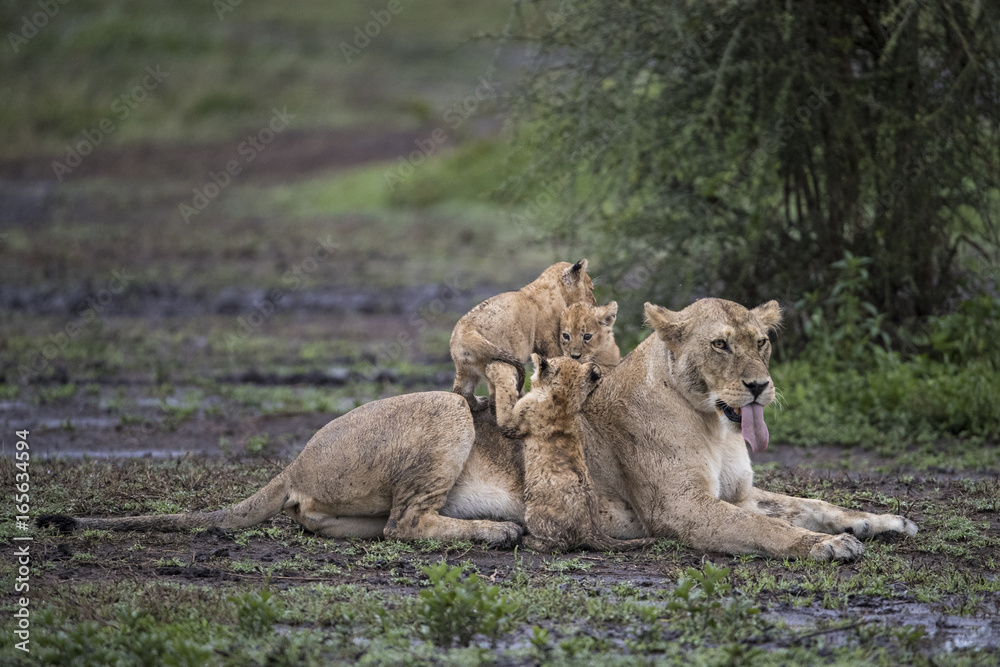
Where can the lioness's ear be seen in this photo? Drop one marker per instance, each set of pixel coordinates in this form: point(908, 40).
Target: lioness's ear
point(608, 314)
point(667, 324)
point(769, 314)
point(571, 276)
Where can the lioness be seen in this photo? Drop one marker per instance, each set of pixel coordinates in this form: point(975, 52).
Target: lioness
point(662, 433)
point(588, 334)
point(510, 326)
point(385, 468)
point(560, 503)
point(664, 438)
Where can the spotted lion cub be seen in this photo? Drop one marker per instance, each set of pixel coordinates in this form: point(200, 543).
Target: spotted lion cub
point(560, 502)
point(588, 334)
point(510, 326)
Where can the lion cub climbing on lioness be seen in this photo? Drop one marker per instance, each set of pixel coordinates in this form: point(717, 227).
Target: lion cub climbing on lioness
point(510, 326)
point(560, 502)
point(588, 334)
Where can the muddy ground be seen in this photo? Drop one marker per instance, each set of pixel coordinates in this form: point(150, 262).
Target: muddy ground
point(155, 409)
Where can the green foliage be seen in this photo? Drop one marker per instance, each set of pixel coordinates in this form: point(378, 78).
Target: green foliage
point(851, 385)
point(891, 402)
point(744, 149)
point(258, 445)
point(856, 324)
point(455, 607)
point(135, 639)
point(701, 603)
point(257, 611)
point(541, 647)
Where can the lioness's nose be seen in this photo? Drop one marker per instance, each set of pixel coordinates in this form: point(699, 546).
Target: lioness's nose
point(756, 388)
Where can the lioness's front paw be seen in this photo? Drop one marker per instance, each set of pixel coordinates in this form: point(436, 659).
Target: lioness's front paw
point(881, 524)
point(837, 547)
point(894, 525)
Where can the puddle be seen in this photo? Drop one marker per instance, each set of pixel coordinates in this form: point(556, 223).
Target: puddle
point(78, 422)
point(944, 631)
point(121, 454)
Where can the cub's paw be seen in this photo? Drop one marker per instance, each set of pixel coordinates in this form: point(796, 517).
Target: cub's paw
point(837, 547)
point(502, 534)
point(478, 403)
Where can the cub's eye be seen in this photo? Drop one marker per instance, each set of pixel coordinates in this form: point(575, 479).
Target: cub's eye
point(565, 336)
point(588, 336)
point(720, 344)
point(761, 343)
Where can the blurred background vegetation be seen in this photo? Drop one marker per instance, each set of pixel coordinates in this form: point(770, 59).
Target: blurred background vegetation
point(841, 158)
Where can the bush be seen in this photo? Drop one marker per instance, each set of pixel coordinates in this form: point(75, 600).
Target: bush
point(743, 149)
point(454, 608)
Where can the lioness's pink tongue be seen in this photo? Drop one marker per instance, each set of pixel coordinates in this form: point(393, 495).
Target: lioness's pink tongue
point(753, 426)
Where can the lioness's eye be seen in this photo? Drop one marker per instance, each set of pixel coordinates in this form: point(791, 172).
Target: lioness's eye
point(719, 344)
point(588, 336)
point(761, 343)
point(565, 336)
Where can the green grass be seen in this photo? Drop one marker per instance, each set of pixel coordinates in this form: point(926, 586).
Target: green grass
point(921, 413)
point(278, 591)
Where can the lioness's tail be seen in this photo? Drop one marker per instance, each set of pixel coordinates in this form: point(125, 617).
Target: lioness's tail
point(605, 543)
point(262, 505)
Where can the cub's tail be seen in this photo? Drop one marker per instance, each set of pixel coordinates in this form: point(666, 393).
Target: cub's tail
point(264, 504)
point(495, 353)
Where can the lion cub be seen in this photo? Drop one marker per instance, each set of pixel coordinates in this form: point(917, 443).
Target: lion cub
point(510, 326)
point(560, 502)
point(588, 334)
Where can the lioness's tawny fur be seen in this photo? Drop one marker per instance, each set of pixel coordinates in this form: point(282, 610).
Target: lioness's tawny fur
point(510, 326)
point(588, 334)
point(560, 503)
point(385, 468)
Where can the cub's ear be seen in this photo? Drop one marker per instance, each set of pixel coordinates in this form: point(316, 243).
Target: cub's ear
point(668, 325)
point(572, 275)
point(769, 315)
point(540, 362)
point(608, 314)
point(591, 376)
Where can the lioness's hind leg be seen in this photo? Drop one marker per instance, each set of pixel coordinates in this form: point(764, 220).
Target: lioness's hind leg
point(322, 520)
point(348, 526)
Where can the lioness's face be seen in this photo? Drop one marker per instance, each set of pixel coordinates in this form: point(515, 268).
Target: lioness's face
point(720, 354)
point(586, 329)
